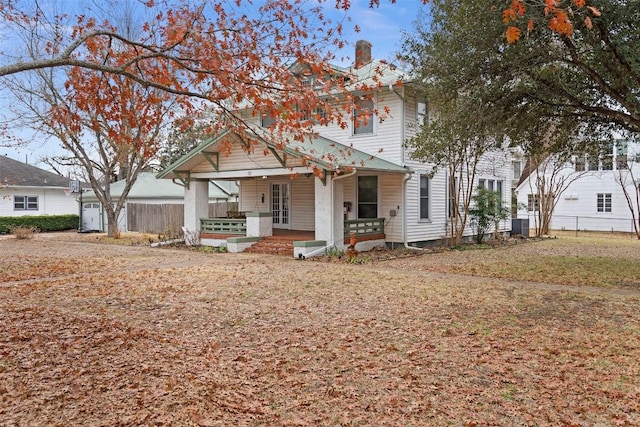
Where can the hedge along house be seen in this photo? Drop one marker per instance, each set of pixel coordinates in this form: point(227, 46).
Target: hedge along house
point(28, 190)
point(367, 185)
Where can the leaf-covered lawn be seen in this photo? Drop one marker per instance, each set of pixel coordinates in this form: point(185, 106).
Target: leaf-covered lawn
point(166, 337)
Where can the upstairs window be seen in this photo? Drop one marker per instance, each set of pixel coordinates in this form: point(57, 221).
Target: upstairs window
point(517, 169)
point(622, 147)
point(267, 121)
point(363, 116)
point(422, 112)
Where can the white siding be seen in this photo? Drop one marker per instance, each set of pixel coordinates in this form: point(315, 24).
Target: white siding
point(251, 192)
point(576, 208)
point(51, 201)
point(349, 194)
point(391, 199)
point(303, 203)
point(239, 160)
point(387, 134)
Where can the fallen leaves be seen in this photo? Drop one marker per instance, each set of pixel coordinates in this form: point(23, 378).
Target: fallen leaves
point(183, 338)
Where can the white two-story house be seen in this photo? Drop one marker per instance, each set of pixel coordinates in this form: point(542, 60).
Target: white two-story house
point(593, 195)
point(371, 189)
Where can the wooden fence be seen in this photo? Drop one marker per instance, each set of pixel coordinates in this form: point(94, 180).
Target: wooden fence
point(167, 218)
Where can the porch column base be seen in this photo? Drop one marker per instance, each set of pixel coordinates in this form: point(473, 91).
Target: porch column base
point(239, 244)
point(259, 224)
point(309, 248)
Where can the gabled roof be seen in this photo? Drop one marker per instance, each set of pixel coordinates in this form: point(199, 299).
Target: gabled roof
point(318, 151)
point(17, 173)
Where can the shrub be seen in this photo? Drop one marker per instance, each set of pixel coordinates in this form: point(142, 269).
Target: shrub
point(487, 212)
point(41, 222)
point(23, 233)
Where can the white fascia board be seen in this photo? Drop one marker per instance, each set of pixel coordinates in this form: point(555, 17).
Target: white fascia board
point(250, 173)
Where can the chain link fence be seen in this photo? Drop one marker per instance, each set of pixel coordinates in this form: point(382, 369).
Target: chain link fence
point(581, 223)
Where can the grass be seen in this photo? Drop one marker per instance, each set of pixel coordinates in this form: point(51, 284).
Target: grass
point(566, 270)
point(144, 336)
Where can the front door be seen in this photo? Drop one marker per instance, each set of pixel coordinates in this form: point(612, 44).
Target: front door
point(280, 205)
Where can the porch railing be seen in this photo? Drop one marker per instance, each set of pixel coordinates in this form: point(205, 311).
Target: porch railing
point(223, 226)
point(363, 227)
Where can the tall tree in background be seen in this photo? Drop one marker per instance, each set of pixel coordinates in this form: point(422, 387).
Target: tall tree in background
point(585, 85)
point(462, 126)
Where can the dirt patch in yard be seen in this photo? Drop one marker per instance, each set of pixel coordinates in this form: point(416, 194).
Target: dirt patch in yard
point(102, 334)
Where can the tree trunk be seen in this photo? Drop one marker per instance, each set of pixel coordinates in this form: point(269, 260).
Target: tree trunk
point(112, 223)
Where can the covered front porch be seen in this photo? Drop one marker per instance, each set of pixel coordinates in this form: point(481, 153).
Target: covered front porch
point(308, 194)
point(235, 234)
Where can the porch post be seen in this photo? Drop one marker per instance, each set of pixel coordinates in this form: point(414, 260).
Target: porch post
point(329, 211)
point(196, 204)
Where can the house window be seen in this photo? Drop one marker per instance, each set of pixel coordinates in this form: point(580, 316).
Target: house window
point(25, 203)
point(606, 158)
point(490, 184)
point(533, 203)
point(310, 81)
point(581, 163)
point(422, 112)
point(367, 197)
point(363, 116)
point(424, 197)
point(621, 154)
point(517, 169)
point(318, 115)
point(604, 202)
point(267, 121)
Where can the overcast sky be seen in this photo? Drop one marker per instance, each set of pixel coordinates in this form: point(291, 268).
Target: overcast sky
point(381, 26)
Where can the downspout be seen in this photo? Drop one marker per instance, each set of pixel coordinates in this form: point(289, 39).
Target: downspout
point(408, 177)
point(404, 216)
point(347, 175)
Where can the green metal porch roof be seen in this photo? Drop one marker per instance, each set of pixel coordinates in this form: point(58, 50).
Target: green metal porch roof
point(318, 150)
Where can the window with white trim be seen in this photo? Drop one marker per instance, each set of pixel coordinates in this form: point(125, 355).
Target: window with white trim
point(422, 112)
point(25, 203)
point(362, 120)
point(424, 196)
point(603, 203)
point(367, 197)
point(533, 203)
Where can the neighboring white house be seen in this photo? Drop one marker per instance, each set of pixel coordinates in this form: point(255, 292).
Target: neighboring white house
point(370, 187)
point(595, 201)
point(147, 190)
point(28, 190)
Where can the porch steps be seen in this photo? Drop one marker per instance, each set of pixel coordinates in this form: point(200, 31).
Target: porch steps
point(272, 245)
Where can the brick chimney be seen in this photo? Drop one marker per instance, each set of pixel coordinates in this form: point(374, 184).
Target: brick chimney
point(363, 53)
